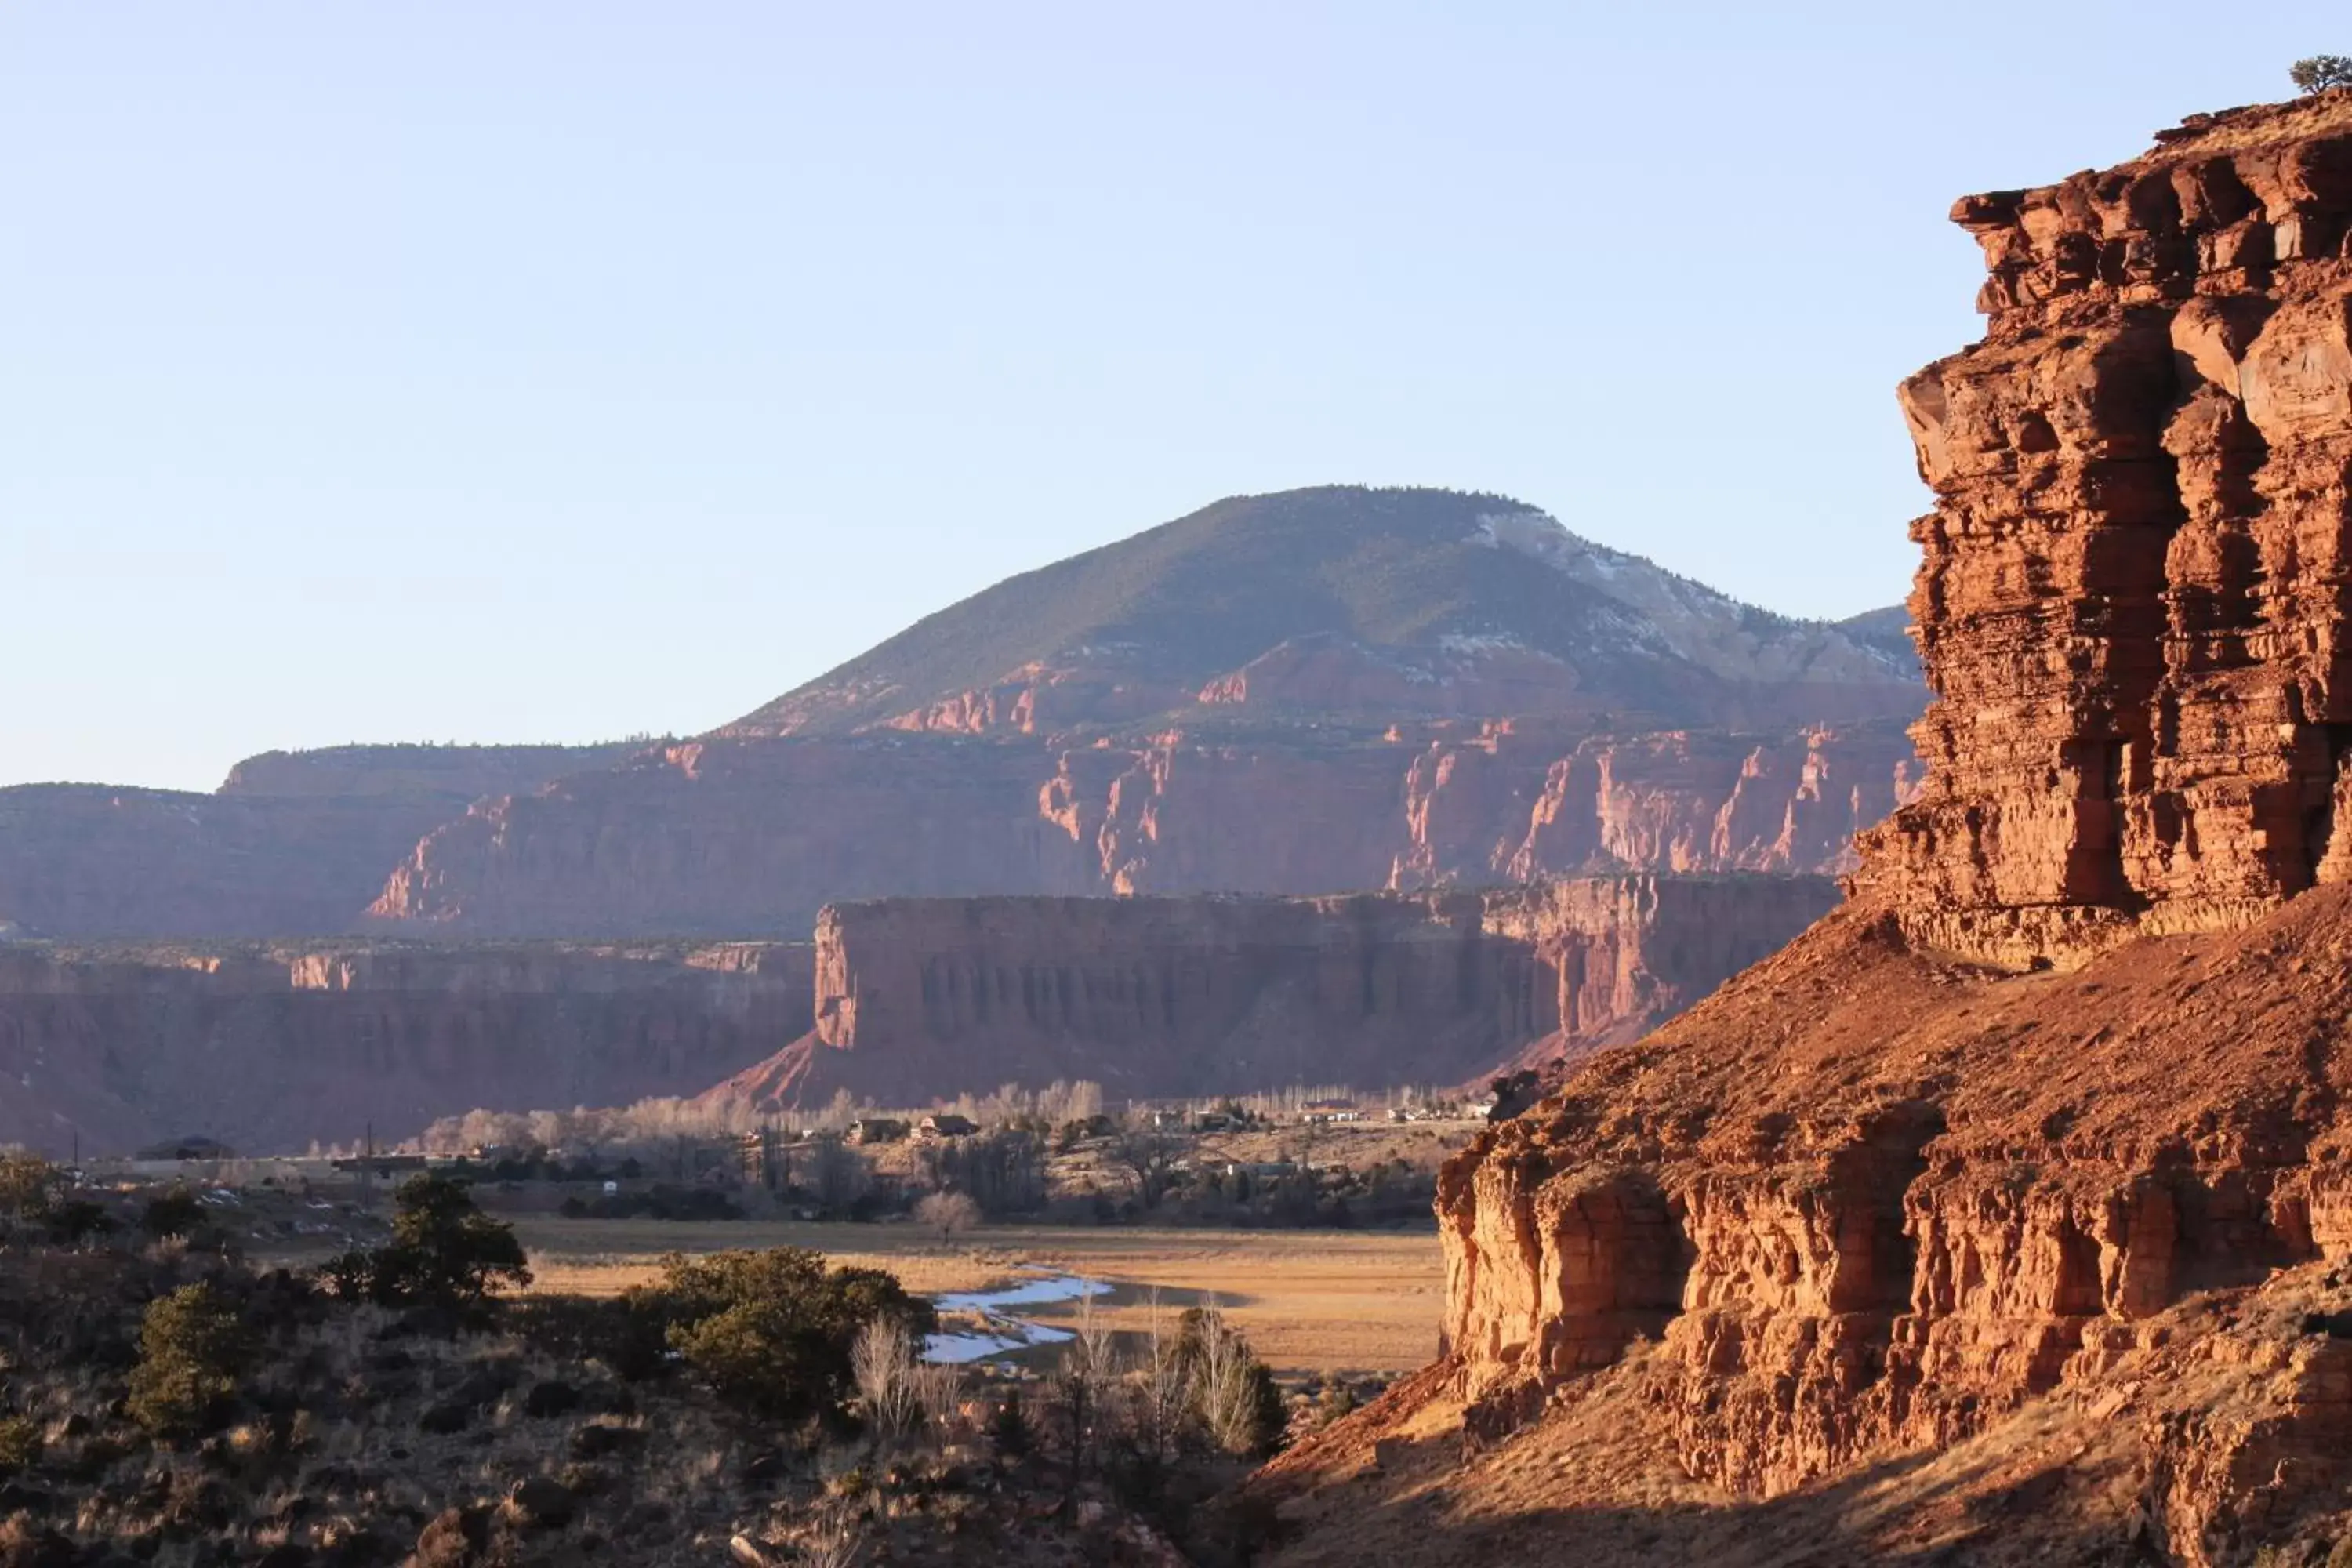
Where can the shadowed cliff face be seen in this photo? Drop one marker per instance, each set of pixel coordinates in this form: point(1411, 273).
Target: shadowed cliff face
point(268, 1049)
point(1177, 997)
point(1900, 1188)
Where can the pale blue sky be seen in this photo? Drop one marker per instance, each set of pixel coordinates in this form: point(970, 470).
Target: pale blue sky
point(557, 371)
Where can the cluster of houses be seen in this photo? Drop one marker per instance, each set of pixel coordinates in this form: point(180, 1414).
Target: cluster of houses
point(930, 1128)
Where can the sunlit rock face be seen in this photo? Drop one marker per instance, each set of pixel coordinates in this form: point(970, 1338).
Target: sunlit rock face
point(2132, 606)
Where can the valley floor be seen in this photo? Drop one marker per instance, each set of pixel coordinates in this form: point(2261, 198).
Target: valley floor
point(1309, 1301)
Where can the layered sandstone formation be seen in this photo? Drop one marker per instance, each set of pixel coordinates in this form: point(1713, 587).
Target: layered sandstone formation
point(2132, 606)
point(293, 842)
point(268, 1049)
point(1881, 1225)
point(1162, 998)
point(1862, 1202)
point(729, 837)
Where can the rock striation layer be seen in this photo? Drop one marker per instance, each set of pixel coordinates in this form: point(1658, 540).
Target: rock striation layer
point(1160, 998)
point(268, 1047)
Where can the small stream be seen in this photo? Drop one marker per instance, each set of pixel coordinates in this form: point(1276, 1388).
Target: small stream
point(1004, 1331)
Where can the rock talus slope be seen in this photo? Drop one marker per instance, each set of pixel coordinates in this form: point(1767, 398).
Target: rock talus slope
point(2005, 1216)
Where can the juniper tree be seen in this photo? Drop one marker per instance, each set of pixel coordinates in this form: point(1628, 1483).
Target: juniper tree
point(2320, 72)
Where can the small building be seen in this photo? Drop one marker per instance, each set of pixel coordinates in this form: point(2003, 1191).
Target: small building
point(877, 1129)
point(947, 1124)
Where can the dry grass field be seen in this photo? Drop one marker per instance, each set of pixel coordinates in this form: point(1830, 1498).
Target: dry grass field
point(1309, 1300)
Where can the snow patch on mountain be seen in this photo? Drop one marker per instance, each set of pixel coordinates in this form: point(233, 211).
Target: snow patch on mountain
point(1674, 614)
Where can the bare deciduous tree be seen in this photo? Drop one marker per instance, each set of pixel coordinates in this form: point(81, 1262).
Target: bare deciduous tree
point(1090, 1368)
point(835, 1539)
point(1226, 1379)
point(947, 1213)
point(939, 1394)
point(882, 1364)
point(1164, 1385)
point(836, 1174)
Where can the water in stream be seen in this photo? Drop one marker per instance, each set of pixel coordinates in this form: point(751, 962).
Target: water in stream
point(1002, 1330)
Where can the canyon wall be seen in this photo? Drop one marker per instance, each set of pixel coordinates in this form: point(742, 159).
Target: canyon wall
point(1162, 998)
point(293, 843)
point(754, 836)
point(267, 1048)
point(1899, 1184)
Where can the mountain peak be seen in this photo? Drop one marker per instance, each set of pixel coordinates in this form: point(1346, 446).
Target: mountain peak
point(1339, 603)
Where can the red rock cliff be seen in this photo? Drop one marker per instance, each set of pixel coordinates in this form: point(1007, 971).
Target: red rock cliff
point(268, 1049)
point(1157, 997)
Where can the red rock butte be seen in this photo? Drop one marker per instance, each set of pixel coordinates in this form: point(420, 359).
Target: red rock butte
point(1170, 998)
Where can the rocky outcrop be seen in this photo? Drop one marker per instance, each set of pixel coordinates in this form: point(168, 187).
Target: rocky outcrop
point(1866, 1203)
point(2132, 605)
point(293, 843)
point(748, 836)
point(1899, 1189)
point(1160, 998)
point(266, 1049)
